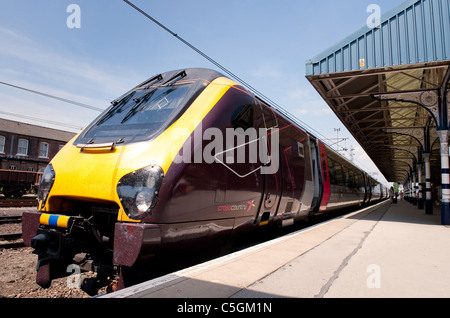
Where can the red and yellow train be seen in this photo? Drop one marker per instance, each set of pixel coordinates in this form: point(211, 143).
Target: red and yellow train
point(186, 159)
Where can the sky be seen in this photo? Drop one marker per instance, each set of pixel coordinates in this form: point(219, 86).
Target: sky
point(113, 48)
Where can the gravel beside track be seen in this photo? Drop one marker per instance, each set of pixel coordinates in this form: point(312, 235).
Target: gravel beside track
point(18, 270)
point(18, 278)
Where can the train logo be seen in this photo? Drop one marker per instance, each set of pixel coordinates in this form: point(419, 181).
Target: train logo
point(251, 204)
point(236, 207)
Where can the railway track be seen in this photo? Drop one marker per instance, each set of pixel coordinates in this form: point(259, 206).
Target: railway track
point(13, 240)
point(10, 239)
point(18, 203)
point(10, 219)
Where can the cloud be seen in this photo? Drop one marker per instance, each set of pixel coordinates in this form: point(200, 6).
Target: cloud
point(305, 101)
point(291, 91)
point(27, 63)
point(33, 59)
point(41, 112)
point(7, 33)
point(268, 70)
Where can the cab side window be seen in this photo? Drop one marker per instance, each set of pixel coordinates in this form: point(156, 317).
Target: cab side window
point(243, 117)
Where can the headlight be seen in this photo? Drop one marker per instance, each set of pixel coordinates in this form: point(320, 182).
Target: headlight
point(138, 191)
point(46, 184)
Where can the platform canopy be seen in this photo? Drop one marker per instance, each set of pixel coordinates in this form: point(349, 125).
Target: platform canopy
point(378, 80)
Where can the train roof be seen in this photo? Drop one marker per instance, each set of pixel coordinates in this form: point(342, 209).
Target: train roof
point(210, 75)
point(185, 74)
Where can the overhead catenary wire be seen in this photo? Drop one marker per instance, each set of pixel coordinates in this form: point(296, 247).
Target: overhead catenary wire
point(231, 74)
point(53, 97)
point(41, 120)
point(221, 67)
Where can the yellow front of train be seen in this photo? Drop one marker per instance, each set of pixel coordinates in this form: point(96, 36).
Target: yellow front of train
point(106, 180)
point(91, 171)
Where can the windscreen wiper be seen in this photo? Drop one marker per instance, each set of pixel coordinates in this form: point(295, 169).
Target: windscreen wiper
point(117, 108)
point(139, 101)
point(124, 99)
point(157, 78)
point(173, 78)
point(146, 83)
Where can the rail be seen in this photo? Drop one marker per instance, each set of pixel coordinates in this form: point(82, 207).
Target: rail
point(18, 203)
point(10, 240)
point(10, 219)
point(11, 237)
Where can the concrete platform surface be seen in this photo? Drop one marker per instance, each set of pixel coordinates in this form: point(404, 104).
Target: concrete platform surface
point(388, 250)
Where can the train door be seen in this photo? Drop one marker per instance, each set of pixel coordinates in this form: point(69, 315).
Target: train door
point(326, 185)
point(317, 175)
point(272, 174)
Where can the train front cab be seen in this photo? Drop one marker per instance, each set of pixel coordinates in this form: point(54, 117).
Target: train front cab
point(89, 196)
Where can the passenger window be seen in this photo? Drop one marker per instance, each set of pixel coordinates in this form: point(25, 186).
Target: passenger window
point(338, 174)
point(332, 171)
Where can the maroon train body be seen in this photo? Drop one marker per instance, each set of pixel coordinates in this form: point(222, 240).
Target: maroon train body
point(155, 208)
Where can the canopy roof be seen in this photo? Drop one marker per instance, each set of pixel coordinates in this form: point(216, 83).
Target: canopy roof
point(408, 57)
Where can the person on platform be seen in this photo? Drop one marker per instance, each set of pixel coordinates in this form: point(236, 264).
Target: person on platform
point(391, 194)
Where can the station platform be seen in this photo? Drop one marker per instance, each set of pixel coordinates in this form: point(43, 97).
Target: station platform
point(387, 251)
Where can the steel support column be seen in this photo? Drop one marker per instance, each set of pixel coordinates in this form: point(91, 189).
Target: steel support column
point(421, 134)
point(414, 201)
point(428, 198)
point(445, 171)
point(437, 103)
point(443, 133)
point(420, 194)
